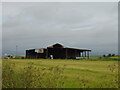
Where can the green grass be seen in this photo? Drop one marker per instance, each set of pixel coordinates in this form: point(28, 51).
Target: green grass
point(59, 73)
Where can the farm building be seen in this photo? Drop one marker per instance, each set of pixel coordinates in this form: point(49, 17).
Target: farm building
point(57, 51)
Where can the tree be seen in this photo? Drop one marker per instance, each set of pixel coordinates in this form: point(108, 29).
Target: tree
point(113, 54)
point(104, 55)
point(109, 55)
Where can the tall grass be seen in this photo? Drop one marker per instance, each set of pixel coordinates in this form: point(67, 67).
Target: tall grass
point(32, 77)
point(59, 74)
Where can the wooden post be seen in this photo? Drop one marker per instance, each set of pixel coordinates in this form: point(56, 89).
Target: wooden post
point(82, 54)
point(88, 54)
point(85, 53)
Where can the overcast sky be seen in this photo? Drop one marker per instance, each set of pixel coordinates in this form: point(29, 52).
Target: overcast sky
point(87, 25)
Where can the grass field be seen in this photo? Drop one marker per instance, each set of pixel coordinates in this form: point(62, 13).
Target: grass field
point(46, 73)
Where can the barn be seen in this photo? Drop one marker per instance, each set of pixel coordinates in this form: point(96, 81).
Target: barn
point(57, 51)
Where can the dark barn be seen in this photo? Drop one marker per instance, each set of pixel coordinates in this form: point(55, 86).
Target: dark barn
point(57, 51)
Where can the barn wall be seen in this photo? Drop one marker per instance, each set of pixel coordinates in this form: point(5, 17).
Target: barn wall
point(70, 53)
point(41, 55)
point(73, 53)
point(77, 53)
point(31, 54)
point(58, 53)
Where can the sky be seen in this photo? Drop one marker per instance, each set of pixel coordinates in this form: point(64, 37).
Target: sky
point(89, 25)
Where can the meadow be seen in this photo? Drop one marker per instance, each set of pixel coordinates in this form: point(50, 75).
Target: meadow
point(59, 73)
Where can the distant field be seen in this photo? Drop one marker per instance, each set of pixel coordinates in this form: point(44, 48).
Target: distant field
point(46, 73)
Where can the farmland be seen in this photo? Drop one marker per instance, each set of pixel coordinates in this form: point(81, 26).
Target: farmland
point(59, 73)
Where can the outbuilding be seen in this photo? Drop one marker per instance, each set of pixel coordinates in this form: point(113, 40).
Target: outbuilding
point(57, 51)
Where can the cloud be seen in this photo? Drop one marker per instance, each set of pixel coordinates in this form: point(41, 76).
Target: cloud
point(82, 25)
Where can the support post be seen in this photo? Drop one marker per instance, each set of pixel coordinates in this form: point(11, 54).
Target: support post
point(88, 54)
point(82, 55)
point(85, 53)
point(16, 50)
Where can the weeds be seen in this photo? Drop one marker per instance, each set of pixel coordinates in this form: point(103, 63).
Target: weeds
point(83, 83)
point(57, 76)
point(8, 75)
point(114, 69)
point(32, 77)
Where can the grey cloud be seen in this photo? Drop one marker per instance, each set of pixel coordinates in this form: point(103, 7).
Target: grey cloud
point(82, 25)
